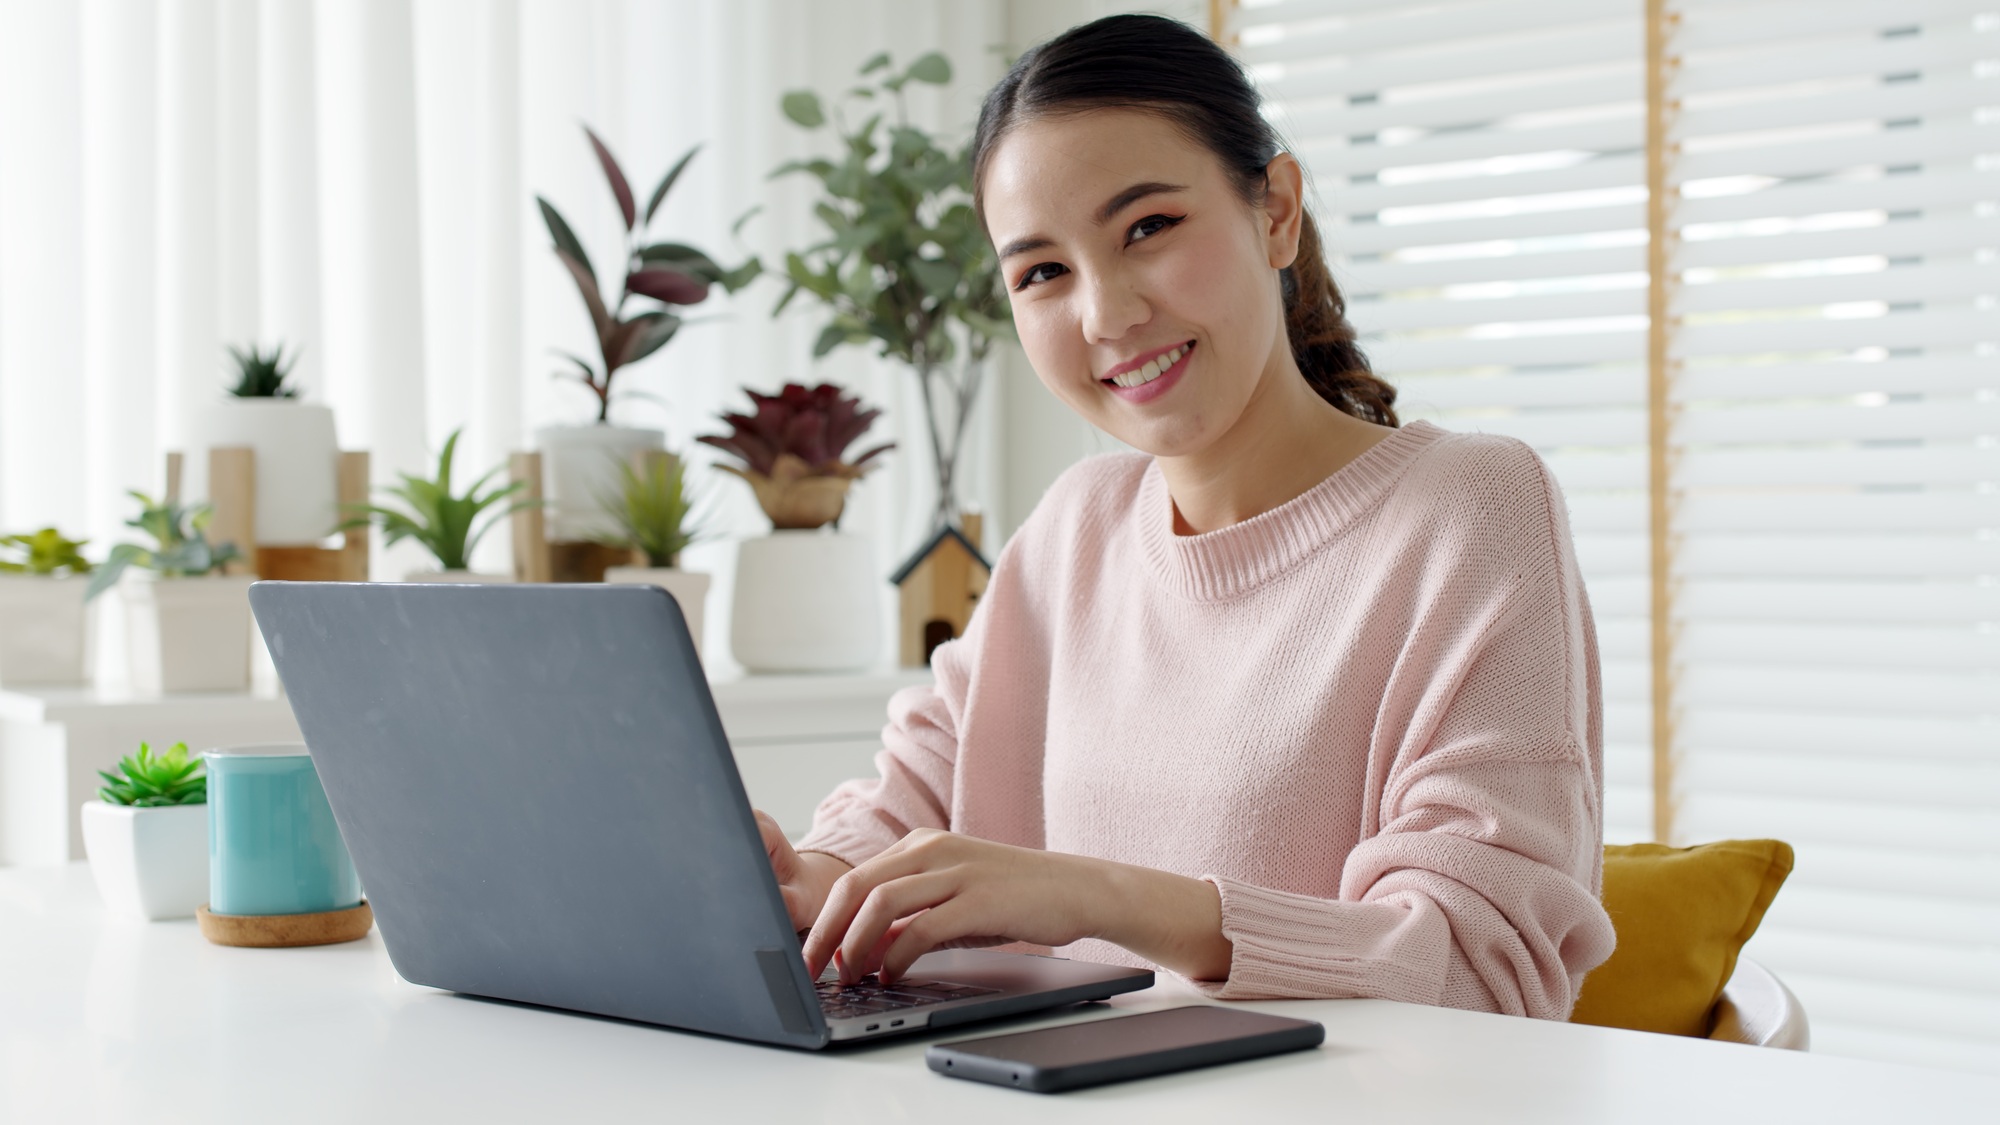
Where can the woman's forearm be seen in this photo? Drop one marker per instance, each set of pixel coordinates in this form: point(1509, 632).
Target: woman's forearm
point(1171, 920)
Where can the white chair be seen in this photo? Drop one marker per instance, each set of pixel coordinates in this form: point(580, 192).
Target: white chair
point(1756, 1008)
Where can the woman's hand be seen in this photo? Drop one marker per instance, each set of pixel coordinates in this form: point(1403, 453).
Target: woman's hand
point(803, 879)
point(940, 890)
point(935, 889)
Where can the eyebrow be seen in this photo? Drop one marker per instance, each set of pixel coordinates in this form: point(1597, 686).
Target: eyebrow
point(1104, 214)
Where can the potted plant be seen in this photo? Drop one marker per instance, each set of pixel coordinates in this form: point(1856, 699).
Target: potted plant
point(147, 835)
point(44, 638)
point(298, 454)
point(651, 510)
point(662, 277)
point(806, 596)
point(446, 524)
point(187, 623)
point(905, 266)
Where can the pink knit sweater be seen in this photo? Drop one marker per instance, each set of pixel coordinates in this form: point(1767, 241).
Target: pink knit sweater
point(1370, 717)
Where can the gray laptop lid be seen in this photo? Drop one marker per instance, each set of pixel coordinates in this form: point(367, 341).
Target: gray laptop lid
point(540, 799)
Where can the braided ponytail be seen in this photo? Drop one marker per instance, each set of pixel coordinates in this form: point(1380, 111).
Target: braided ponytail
point(1165, 67)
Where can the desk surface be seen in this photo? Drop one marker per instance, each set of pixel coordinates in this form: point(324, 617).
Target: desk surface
point(104, 1020)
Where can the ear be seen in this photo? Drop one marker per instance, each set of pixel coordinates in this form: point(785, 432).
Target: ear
point(1284, 208)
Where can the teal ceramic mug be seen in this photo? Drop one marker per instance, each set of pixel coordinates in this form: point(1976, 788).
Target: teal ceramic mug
point(273, 846)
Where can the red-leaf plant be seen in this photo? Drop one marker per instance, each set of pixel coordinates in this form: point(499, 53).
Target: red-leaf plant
point(793, 451)
point(670, 274)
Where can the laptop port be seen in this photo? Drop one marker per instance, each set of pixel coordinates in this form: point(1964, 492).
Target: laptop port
point(895, 1023)
point(874, 1027)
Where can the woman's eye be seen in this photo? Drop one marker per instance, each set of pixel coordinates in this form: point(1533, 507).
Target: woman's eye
point(1047, 271)
point(1152, 225)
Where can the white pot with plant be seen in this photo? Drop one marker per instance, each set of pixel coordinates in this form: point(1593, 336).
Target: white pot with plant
point(297, 452)
point(44, 622)
point(651, 511)
point(807, 595)
point(446, 524)
point(147, 835)
point(579, 461)
point(187, 623)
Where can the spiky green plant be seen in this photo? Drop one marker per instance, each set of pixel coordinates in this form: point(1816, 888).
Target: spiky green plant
point(447, 524)
point(146, 782)
point(651, 510)
point(181, 547)
point(262, 376)
point(45, 552)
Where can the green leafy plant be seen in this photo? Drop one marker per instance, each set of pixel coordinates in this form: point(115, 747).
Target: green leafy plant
point(447, 524)
point(181, 548)
point(651, 509)
point(262, 376)
point(905, 266)
point(794, 450)
point(668, 274)
point(45, 552)
point(146, 782)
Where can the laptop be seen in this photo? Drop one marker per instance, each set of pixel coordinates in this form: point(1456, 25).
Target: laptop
point(542, 805)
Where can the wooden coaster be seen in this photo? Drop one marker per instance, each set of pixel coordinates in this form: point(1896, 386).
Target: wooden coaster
point(276, 931)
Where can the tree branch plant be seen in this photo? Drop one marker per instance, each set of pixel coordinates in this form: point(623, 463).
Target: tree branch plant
point(905, 266)
point(793, 449)
point(45, 553)
point(180, 544)
point(262, 376)
point(147, 782)
point(665, 275)
point(447, 524)
point(651, 509)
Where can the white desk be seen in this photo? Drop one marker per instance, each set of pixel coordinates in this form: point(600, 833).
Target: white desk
point(102, 1020)
point(795, 738)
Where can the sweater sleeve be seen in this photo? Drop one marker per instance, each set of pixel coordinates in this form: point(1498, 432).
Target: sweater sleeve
point(1478, 886)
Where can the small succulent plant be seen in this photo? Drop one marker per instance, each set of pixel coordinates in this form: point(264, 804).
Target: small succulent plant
point(46, 552)
point(651, 508)
point(668, 273)
point(793, 450)
point(147, 782)
point(181, 547)
point(262, 376)
point(436, 517)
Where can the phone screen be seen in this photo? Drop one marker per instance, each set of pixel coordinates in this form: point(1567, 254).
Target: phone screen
point(1122, 1047)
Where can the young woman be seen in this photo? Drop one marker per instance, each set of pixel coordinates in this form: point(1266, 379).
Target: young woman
point(1295, 703)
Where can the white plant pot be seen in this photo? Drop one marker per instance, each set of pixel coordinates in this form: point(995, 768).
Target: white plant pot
point(580, 466)
point(806, 601)
point(187, 634)
point(44, 630)
point(462, 577)
point(148, 863)
point(298, 462)
point(689, 588)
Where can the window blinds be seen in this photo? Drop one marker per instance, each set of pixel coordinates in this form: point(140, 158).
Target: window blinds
point(1837, 486)
point(1480, 178)
point(1833, 436)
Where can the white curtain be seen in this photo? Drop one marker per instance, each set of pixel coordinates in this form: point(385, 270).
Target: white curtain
point(356, 178)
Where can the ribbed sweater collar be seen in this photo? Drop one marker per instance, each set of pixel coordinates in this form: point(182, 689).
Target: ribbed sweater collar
point(1236, 559)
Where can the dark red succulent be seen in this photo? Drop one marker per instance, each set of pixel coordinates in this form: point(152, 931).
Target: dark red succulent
point(793, 450)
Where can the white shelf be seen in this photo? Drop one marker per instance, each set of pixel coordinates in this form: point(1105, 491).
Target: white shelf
point(795, 737)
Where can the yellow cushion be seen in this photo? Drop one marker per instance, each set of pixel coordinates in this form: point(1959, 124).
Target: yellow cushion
point(1682, 915)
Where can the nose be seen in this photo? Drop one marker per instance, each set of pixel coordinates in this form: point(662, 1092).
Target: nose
point(1111, 306)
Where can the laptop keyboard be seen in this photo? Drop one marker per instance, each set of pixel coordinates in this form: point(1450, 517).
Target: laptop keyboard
point(869, 996)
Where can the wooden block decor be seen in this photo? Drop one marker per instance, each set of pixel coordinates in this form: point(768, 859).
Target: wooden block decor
point(938, 587)
point(232, 476)
point(537, 558)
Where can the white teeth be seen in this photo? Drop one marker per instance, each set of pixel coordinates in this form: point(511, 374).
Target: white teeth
point(1154, 369)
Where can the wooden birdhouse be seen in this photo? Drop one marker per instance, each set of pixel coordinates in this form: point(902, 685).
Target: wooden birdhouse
point(939, 586)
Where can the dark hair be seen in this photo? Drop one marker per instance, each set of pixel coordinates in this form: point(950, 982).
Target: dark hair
point(1163, 66)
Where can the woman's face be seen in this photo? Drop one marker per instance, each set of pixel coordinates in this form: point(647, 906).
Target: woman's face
point(1143, 286)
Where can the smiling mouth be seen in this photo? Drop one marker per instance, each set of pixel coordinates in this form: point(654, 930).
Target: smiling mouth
point(1153, 369)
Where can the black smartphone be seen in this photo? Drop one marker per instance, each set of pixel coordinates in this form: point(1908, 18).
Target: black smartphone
point(1075, 1055)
